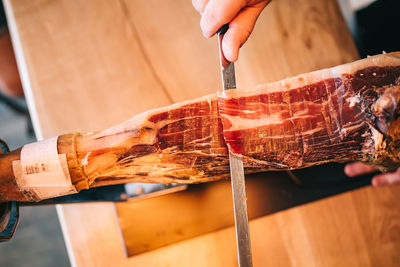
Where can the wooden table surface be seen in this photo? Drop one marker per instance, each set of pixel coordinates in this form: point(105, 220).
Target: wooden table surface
point(89, 64)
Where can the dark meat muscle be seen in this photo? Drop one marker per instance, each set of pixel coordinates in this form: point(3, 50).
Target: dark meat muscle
point(339, 114)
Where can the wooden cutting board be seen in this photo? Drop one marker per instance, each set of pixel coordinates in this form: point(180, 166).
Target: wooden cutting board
point(89, 64)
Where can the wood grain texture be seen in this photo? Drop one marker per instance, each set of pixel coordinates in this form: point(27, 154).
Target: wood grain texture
point(200, 209)
point(94, 63)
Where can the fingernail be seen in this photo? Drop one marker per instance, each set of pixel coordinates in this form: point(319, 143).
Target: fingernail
point(234, 55)
point(203, 27)
point(348, 170)
point(228, 55)
point(229, 51)
point(206, 33)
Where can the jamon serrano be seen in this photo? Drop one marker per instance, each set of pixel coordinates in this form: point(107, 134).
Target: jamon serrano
point(346, 113)
point(339, 114)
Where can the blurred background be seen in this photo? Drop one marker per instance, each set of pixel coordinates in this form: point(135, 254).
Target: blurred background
point(39, 241)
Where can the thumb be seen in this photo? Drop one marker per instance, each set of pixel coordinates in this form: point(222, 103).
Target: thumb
point(239, 30)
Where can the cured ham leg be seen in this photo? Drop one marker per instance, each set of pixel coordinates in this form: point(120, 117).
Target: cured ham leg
point(349, 112)
point(344, 113)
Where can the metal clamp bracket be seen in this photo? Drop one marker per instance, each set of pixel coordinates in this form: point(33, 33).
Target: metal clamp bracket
point(9, 211)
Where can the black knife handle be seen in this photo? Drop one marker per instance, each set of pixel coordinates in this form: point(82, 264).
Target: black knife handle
point(223, 29)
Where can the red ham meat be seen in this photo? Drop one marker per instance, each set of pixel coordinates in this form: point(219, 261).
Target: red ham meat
point(349, 112)
point(337, 114)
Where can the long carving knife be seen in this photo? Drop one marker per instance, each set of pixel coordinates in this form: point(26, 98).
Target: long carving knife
point(237, 171)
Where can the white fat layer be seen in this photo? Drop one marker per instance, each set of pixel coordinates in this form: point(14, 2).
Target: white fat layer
point(239, 123)
point(377, 137)
point(353, 100)
point(84, 161)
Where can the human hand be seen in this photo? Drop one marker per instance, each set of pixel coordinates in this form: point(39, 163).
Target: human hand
point(241, 16)
point(358, 168)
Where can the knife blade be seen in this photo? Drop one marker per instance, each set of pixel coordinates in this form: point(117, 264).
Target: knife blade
point(237, 170)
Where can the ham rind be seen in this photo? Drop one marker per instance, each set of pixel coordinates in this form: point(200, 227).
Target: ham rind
point(339, 114)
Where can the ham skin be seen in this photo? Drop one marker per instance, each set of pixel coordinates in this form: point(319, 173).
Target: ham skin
point(346, 113)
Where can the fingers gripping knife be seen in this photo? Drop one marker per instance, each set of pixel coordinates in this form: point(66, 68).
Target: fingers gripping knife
point(237, 171)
